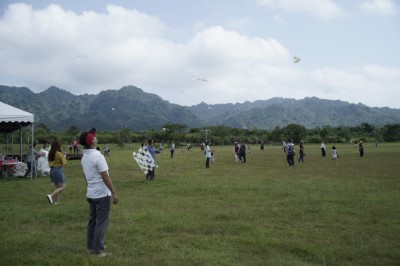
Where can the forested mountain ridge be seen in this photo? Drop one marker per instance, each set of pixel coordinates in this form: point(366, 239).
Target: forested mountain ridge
point(309, 112)
point(137, 110)
point(109, 110)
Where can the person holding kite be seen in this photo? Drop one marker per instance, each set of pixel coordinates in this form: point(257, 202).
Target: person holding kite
point(152, 150)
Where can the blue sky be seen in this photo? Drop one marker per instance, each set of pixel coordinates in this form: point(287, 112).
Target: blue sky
point(213, 51)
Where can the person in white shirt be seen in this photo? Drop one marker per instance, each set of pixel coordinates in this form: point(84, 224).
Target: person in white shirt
point(100, 193)
point(334, 155)
point(208, 154)
point(323, 149)
point(172, 149)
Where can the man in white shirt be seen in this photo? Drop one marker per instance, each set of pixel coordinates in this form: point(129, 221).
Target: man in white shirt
point(208, 154)
point(100, 192)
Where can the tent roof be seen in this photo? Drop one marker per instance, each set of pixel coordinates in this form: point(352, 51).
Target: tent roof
point(12, 118)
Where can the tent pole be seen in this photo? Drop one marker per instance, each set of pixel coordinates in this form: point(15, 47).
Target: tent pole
point(20, 144)
point(33, 162)
point(12, 145)
point(7, 145)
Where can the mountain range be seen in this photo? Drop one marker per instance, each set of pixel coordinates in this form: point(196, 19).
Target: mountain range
point(131, 107)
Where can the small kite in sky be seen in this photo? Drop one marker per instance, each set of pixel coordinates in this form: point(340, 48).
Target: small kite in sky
point(81, 56)
point(296, 59)
point(200, 79)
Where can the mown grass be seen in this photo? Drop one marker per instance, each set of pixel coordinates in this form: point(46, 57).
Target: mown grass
point(258, 213)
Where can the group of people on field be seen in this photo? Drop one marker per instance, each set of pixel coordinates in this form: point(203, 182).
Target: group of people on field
point(100, 192)
point(289, 149)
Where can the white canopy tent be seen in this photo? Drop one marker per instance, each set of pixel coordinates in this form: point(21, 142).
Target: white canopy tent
point(13, 119)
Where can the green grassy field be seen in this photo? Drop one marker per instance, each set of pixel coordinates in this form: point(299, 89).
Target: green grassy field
point(258, 213)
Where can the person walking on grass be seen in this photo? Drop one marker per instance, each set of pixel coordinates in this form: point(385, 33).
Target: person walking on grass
point(301, 152)
point(152, 150)
point(56, 162)
point(172, 149)
point(290, 153)
point(323, 148)
point(235, 151)
point(361, 148)
point(100, 193)
point(208, 154)
point(242, 151)
point(334, 155)
point(31, 161)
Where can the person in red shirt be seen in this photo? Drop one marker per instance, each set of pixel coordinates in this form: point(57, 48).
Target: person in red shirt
point(75, 146)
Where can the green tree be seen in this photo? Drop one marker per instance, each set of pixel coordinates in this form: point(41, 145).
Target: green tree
point(324, 132)
point(73, 131)
point(277, 134)
point(391, 132)
point(41, 135)
point(43, 126)
point(367, 128)
point(295, 132)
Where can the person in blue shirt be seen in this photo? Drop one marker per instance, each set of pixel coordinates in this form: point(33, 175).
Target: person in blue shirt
point(290, 153)
point(152, 150)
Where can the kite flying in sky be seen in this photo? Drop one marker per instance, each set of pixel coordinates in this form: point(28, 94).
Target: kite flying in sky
point(296, 59)
point(200, 79)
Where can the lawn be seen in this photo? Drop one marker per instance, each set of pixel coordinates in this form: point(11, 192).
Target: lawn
point(258, 213)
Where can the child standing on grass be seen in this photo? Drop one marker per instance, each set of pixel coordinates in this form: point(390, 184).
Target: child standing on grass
point(334, 155)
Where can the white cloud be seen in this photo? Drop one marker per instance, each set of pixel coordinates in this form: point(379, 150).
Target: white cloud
point(372, 85)
point(387, 7)
point(325, 9)
point(91, 52)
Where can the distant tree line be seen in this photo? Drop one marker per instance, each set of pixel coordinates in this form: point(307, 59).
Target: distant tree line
point(223, 135)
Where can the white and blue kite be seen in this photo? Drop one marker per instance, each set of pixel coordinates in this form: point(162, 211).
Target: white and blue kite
point(144, 159)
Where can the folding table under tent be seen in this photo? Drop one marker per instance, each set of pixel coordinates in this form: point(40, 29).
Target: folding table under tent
point(13, 119)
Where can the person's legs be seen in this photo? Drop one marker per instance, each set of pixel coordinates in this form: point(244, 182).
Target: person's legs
point(103, 211)
point(29, 168)
point(56, 193)
point(98, 223)
point(208, 162)
point(152, 174)
point(91, 226)
point(33, 167)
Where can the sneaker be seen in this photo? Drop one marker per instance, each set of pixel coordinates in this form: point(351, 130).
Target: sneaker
point(102, 254)
point(50, 199)
point(57, 202)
